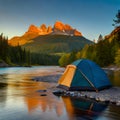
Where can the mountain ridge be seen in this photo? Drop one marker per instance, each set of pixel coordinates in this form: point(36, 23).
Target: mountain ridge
point(33, 31)
point(112, 34)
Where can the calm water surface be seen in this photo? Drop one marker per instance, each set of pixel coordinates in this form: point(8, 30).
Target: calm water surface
point(20, 99)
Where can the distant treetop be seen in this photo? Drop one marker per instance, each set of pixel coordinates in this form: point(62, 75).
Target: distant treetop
point(117, 20)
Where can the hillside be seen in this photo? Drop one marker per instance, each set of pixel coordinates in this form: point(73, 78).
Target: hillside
point(115, 33)
point(56, 43)
point(105, 53)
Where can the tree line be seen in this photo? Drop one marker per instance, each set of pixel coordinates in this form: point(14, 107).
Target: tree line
point(13, 55)
point(44, 59)
point(20, 56)
point(104, 53)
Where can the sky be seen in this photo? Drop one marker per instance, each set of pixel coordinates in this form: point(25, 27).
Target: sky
point(90, 17)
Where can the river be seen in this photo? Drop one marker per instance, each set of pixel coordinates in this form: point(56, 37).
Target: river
point(21, 99)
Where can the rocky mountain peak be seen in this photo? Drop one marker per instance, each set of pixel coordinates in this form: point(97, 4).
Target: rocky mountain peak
point(49, 29)
point(43, 28)
point(59, 26)
point(68, 27)
point(77, 33)
point(33, 31)
point(65, 29)
point(33, 28)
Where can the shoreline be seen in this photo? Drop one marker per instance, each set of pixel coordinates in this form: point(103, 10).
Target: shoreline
point(109, 96)
point(111, 68)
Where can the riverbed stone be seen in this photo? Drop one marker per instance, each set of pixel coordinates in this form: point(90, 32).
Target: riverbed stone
point(111, 95)
point(43, 95)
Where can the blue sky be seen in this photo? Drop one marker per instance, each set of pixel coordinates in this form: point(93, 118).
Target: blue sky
point(91, 17)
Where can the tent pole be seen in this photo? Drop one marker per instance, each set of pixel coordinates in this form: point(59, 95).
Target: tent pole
point(87, 80)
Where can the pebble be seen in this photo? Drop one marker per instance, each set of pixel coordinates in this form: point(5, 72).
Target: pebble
point(43, 95)
point(41, 91)
point(111, 95)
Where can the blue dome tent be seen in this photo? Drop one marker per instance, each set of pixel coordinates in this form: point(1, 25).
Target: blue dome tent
point(84, 74)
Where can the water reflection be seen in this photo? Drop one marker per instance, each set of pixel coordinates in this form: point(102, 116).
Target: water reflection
point(44, 103)
point(20, 99)
point(73, 108)
point(114, 77)
point(81, 108)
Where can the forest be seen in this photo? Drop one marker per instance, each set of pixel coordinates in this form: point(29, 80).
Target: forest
point(105, 52)
point(13, 55)
point(18, 56)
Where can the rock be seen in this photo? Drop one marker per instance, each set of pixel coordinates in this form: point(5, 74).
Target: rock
point(79, 94)
point(118, 103)
point(58, 26)
point(91, 96)
point(97, 98)
point(41, 91)
point(43, 28)
point(43, 95)
point(65, 29)
point(49, 30)
point(72, 94)
point(58, 92)
point(3, 64)
point(77, 33)
point(102, 99)
point(107, 101)
point(33, 29)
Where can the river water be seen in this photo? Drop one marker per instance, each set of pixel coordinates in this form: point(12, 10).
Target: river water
point(21, 98)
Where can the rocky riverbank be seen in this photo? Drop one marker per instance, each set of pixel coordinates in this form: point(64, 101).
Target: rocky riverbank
point(111, 95)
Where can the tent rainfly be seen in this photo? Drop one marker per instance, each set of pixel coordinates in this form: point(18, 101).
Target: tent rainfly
point(84, 74)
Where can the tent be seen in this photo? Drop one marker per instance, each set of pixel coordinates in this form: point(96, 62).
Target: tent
point(84, 74)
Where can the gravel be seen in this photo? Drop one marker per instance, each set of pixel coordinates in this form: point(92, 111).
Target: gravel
point(111, 95)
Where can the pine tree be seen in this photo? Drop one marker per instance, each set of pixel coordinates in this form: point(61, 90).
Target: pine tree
point(117, 58)
point(29, 58)
point(117, 20)
point(100, 38)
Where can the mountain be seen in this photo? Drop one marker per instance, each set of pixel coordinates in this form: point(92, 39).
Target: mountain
point(56, 43)
point(65, 29)
point(59, 38)
point(42, 30)
point(113, 34)
point(33, 31)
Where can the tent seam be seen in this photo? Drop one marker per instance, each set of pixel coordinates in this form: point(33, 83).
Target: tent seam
point(87, 79)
